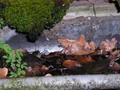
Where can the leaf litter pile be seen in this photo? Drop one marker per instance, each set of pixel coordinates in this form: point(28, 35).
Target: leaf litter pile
point(77, 57)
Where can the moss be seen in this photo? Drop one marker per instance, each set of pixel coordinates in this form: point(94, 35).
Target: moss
point(31, 17)
point(27, 15)
point(57, 15)
point(118, 2)
point(58, 12)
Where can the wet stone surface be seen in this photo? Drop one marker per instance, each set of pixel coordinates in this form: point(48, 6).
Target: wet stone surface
point(96, 29)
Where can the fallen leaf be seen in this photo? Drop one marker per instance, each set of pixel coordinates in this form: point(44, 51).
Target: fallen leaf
point(114, 58)
point(44, 68)
point(77, 47)
point(80, 59)
point(29, 69)
point(71, 64)
point(48, 75)
point(35, 71)
point(116, 66)
point(92, 45)
point(82, 41)
point(115, 54)
point(108, 45)
point(51, 55)
point(3, 73)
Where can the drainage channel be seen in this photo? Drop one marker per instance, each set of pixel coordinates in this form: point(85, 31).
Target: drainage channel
point(109, 27)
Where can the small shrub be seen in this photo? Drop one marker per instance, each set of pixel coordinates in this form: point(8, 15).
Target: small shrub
point(27, 15)
point(32, 16)
point(57, 15)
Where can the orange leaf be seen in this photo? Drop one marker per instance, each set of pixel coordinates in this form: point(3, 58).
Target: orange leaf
point(3, 73)
point(92, 45)
point(66, 42)
point(44, 68)
point(71, 64)
point(116, 66)
point(81, 59)
point(108, 45)
point(77, 47)
point(82, 41)
point(84, 60)
point(48, 75)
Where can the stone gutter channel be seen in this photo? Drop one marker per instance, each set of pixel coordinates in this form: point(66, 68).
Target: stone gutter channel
point(97, 21)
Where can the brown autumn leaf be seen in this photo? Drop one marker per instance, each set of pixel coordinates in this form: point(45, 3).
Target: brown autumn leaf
point(71, 64)
point(116, 66)
point(108, 45)
point(35, 71)
point(3, 73)
point(51, 55)
point(44, 68)
point(80, 59)
point(115, 54)
point(77, 47)
point(114, 57)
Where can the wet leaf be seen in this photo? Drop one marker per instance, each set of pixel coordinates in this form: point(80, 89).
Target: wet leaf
point(108, 45)
point(71, 64)
point(48, 75)
point(116, 66)
point(77, 47)
point(80, 59)
point(44, 68)
point(3, 73)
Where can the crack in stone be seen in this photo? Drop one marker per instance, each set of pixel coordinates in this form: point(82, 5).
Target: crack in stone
point(93, 5)
point(94, 24)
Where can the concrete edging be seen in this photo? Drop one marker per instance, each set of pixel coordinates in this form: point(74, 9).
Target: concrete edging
point(75, 82)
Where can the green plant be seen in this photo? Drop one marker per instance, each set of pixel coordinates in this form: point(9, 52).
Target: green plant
point(2, 23)
point(57, 15)
point(13, 60)
point(58, 12)
point(27, 16)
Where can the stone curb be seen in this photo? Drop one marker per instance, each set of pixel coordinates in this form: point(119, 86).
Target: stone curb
point(76, 82)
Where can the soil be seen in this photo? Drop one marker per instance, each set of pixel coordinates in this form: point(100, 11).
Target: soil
point(54, 64)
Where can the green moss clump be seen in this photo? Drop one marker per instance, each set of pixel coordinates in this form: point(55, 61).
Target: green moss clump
point(27, 16)
point(31, 17)
point(58, 12)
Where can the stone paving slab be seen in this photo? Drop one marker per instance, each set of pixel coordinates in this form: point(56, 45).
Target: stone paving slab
point(106, 10)
point(78, 9)
point(98, 1)
point(91, 8)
